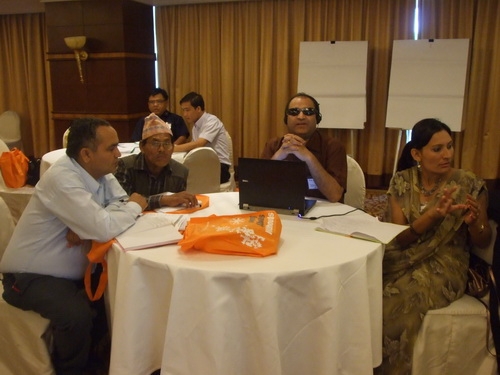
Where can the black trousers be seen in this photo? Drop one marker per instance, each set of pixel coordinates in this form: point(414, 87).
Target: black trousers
point(224, 173)
point(70, 312)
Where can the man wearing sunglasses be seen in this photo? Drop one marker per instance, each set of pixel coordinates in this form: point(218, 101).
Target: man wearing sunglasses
point(325, 156)
point(152, 172)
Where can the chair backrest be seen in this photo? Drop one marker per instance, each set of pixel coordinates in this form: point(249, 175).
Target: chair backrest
point(65, 138)
point(10, 129)
point(6, 226)
point(3, 148)
point(204, 171)
point(231, 184)
point(231, 157)
point(356, 186)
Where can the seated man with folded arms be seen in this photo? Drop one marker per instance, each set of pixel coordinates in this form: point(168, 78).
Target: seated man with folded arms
point(152, 173)
point(325, 156)
point(77, 200)
point(208, 131)
point(158, 104)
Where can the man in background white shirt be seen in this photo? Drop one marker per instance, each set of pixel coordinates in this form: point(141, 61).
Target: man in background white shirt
point(208, 131)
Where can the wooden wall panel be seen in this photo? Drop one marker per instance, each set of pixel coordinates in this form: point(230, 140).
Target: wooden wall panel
point(119, 71)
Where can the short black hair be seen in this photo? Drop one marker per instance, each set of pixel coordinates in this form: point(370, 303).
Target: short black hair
point(195, 99)
point(83, 133)
point(159, 90)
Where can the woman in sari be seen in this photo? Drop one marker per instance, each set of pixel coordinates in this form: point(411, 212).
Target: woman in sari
point(425, 267)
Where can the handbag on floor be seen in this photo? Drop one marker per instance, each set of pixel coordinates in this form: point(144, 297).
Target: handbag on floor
point(479, 281)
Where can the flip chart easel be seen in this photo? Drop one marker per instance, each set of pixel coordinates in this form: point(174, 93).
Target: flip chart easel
point(335, 74)
point(428, 79)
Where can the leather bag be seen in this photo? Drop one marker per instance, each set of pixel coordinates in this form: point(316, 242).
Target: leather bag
point(479, 280)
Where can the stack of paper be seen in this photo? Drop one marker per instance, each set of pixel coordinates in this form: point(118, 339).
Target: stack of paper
point(362, 226)
point(150, 230)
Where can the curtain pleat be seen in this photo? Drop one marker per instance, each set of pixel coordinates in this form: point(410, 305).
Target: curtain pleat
point(23, 73)
point(476, 148)
point(243, 57)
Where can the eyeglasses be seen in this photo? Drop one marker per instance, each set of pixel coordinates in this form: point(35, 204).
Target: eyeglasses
point(152, 102)
point(157, 144)
point(305, 111)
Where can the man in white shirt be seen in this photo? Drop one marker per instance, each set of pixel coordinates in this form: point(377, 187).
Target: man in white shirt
point(208, 131)
point(77, 200)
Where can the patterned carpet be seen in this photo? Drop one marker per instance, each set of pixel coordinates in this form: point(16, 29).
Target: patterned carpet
point(375, 202)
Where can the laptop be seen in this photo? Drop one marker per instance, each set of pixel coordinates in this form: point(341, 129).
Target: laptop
point(273, 184)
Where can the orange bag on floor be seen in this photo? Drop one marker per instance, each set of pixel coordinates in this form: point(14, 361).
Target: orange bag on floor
point(253, 234)
point(14, 167)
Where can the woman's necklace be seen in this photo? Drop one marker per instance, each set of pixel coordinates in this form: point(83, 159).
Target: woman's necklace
point(428, 193)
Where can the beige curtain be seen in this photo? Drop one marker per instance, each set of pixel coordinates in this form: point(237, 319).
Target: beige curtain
point(477, 147)
point(24, 78)
point(243, 58)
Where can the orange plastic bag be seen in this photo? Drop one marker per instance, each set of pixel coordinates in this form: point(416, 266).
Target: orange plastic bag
point(97, 254)
point(253, 234)
point(14, 167)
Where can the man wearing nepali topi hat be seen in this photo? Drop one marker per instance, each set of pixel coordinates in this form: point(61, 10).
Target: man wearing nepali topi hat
point(153, 173)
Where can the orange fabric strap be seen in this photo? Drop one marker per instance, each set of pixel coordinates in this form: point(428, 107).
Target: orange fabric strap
point(96, 255)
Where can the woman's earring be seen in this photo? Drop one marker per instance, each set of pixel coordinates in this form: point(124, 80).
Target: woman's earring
point(418, 166)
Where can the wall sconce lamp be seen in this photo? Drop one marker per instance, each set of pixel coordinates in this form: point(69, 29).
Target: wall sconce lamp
point(76, 43)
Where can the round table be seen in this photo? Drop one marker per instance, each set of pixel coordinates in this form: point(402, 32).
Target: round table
point(313, 308)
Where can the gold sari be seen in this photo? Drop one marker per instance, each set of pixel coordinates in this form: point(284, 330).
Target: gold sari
point(428, 274)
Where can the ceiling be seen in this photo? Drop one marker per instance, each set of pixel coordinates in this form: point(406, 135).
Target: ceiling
point(37, 6)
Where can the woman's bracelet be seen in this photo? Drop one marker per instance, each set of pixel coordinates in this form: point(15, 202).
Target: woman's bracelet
point(412, 229)
point(481, 228)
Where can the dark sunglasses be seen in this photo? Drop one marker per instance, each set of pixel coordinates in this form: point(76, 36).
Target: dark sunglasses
point(305, 111)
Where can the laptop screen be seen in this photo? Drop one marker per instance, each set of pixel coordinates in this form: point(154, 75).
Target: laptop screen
point(276, 184)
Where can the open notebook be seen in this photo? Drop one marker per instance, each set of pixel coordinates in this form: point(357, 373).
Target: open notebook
point(150, 230)
point(276, 184)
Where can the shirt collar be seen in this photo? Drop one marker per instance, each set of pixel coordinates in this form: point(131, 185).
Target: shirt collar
point(201, 120)
point(90, 181)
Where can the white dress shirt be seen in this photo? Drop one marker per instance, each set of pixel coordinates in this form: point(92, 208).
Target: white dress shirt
point(212, 129)
point(67, 197)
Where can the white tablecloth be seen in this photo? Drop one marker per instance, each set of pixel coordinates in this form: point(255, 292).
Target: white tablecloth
point(16, 199)
point(314, 308)
point(125, 148)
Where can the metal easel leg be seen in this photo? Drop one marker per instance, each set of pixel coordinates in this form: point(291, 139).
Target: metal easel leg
point(398, 146)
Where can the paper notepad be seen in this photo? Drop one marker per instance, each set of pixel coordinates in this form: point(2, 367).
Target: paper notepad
point(150, 230)
point(362, 226)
